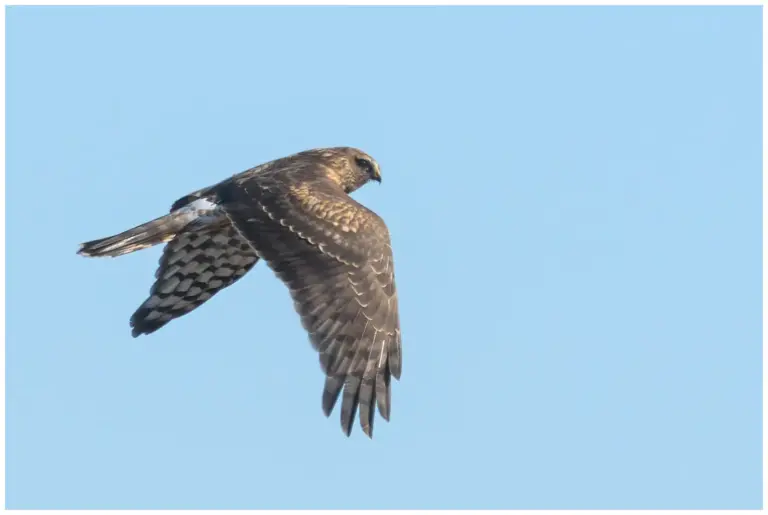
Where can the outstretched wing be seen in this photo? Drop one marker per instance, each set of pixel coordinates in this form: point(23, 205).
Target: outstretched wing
point(335, 257)
point(196, 264)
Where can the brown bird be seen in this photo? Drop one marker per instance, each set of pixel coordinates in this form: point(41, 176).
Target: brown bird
point(333, 253)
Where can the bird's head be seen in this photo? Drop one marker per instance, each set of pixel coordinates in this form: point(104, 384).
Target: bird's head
point(351, 168)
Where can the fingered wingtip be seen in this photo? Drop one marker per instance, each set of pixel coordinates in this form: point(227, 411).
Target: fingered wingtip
point(347, 429)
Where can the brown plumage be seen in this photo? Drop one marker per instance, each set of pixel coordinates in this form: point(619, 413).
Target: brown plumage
point(333, 253)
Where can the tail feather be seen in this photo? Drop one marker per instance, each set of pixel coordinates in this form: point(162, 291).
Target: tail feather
point(159, 230)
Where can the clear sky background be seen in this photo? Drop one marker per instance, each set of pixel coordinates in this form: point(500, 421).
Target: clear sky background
point(574, 199)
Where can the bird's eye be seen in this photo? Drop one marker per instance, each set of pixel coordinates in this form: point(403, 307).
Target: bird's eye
point(364, 164)
point(369, 168)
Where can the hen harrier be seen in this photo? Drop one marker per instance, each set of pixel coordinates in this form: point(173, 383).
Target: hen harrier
point(332, 253)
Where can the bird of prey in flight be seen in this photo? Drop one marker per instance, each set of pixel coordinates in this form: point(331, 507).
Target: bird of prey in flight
point(332, 253)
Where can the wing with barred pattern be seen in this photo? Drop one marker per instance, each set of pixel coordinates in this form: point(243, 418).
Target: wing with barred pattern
point(196, 264)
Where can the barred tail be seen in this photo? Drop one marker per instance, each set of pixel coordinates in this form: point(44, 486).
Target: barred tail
point(159, 230)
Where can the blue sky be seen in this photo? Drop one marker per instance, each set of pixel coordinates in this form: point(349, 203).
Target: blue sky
point(574, 197)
